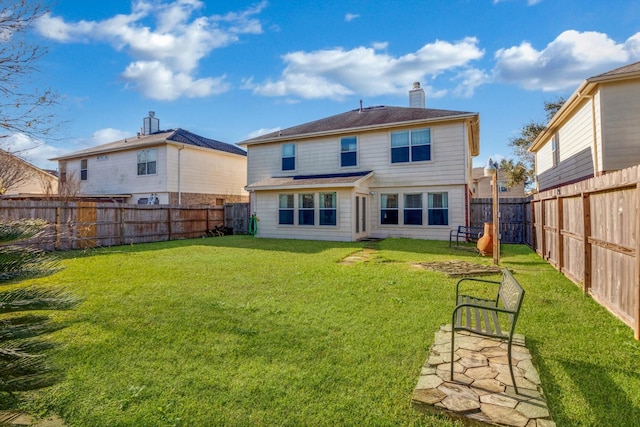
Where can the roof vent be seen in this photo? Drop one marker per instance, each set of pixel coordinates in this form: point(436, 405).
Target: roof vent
point(416, 96)
point(150, 124)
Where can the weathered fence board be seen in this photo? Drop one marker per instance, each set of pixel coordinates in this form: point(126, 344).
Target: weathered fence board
point(513, 217)
point(589, 231)
point(78, 225)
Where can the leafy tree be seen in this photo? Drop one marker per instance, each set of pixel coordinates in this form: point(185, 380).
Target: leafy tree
point(523, 169)
point(22, 109)
point(23, 365)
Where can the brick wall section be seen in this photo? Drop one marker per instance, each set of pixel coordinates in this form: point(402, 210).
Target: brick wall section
point(189, 199)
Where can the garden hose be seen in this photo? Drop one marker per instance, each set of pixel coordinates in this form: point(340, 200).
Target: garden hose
point(253, 225)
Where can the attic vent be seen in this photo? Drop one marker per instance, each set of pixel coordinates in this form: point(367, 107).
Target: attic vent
point(150, 124)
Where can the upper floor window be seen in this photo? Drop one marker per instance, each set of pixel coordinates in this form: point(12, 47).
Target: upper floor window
point(306, 209)
point(285, 212)
point(554, 150)
point(502, 187)
point(348, 151)
point(411, 146)
point(328, 209)
point(389, 209)
point(438, 208)
point(413, 209)
point(83, 169)
point(288, 157)
point(147, 160)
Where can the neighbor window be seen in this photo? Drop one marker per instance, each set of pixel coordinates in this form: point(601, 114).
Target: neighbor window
point(413, 209)
point(411, 146)
point(147, 160)
point(438, 209)
point(502, 187)
point(348, 151)
point(328, 209)
point(306, 209)
point(388, 209)
point(285, 212)
point(83, 169)
point(288, 157)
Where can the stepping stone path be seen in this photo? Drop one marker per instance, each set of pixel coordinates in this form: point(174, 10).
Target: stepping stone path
point(481, 392)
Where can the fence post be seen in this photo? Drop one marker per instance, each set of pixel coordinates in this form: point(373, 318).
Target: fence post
point(560, 225)
point(122, 227)
point(586, 213)
point(637, 278)
point(58, 228)
point(170, 223)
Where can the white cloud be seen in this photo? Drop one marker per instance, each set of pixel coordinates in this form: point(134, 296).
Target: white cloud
point(351, 16)
point(106, 135)
point(565, 62)
point(31, 150)
point(262, 131)
point(164, 58)
point(336, 73)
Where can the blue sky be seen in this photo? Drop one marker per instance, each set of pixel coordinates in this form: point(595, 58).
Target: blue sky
point(234, 69)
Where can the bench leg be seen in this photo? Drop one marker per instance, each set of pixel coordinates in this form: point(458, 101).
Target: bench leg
point(513, 378)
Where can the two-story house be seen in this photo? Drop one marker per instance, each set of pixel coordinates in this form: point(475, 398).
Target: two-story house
point(370, 172)
point(596, 131)
point(483, 187)
point(158, 167)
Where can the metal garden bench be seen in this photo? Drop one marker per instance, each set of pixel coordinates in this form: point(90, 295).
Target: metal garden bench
point(489, 317)
point(468, 232)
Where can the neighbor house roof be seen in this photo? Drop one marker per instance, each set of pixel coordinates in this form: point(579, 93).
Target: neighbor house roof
point(175, 136)
point(585, 90)
point(370, 118)
point(312, 181)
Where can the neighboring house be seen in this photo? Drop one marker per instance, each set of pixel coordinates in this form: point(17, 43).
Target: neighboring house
point(19, 178)
point(482, 186)
point(371, 172)
point(596, 131)
point(167, 167)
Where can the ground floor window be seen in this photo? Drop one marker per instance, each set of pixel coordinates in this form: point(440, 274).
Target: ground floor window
point(328, 209)
point(438, 209)
point(412, 207)
point(389, 209)
point(306, 209)
point(285, 209)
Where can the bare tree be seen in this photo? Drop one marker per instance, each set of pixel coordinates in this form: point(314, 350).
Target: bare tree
point(13, 172)
point(22, 109)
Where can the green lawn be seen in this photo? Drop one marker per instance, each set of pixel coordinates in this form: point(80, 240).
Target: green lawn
point(242, 331)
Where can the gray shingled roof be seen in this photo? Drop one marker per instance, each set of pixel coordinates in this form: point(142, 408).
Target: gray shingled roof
point(360, 118)
point(627, 69)
point(180, 136)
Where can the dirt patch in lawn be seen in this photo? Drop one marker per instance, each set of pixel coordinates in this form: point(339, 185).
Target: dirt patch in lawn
point(459, 268)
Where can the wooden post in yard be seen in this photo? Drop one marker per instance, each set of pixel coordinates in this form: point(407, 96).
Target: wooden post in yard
point(560, 224)
point(637, 277)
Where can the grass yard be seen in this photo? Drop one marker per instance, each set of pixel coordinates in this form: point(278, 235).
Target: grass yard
point(241, 331)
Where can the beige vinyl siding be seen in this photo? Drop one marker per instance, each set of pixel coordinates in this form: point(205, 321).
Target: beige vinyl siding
point(575, 147)
point(620, 106)
point(117, 172)
point(266, 204)
point(206, 171)
point(322, 156)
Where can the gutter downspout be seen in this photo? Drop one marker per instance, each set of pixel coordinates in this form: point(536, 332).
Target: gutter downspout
point(179, 161)
point(596, 166)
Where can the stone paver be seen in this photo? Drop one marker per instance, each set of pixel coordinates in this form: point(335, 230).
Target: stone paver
point(481, 392)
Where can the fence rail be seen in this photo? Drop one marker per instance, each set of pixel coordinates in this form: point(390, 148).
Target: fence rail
point(77, 225)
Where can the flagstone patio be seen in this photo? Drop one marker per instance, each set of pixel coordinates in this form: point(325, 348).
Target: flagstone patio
point(481, 392)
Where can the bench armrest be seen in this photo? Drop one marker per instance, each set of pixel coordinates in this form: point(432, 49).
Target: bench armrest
point(471, 279)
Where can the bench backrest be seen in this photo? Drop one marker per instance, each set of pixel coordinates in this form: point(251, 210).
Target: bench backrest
point(510, 292)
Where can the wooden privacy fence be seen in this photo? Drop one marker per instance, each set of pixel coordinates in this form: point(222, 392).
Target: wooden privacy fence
point(515, 217)
point(77, 225)
point(589, 231)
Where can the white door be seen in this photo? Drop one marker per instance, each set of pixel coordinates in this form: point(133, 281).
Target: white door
point(361, 216)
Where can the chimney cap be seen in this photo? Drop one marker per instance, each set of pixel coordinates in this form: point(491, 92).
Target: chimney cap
point(416, 85)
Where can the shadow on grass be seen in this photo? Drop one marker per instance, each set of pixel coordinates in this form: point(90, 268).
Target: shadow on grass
point(609, 404)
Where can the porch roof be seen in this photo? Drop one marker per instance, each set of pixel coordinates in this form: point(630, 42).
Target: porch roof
point(311, 181)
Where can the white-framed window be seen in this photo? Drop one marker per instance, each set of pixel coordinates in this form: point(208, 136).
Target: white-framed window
point(288, 157)
point(438, 208)
point(348, 151)
point(84, 169)
point(306, 209)
point(502, 187)
point(411, 146)
point(285, 209)
point(147, 161)
point(328, 208)
point(389, 209)
point(555, 152)
point(413, 209)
